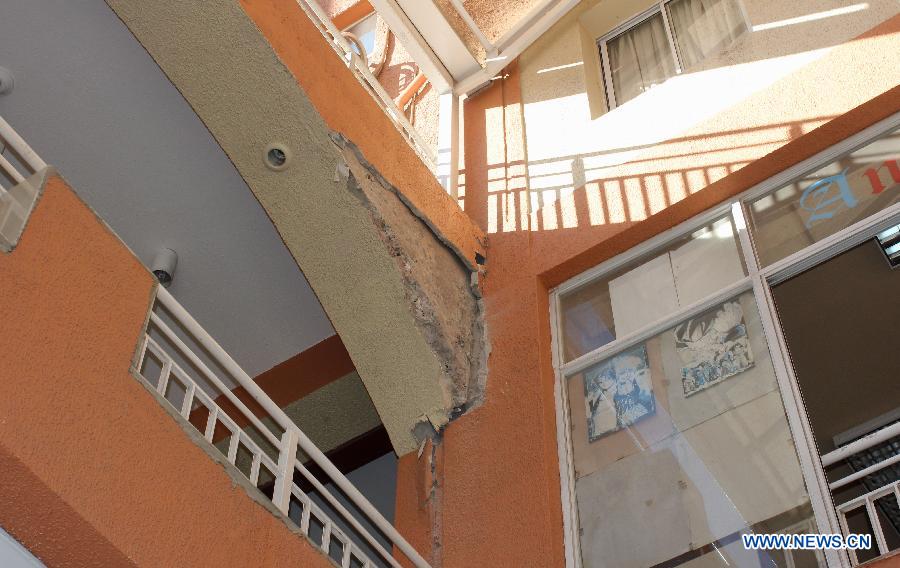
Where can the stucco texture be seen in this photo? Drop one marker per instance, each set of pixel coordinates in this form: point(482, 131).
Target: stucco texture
point(340, 240)
point(495, 492)
point(398, 74)
point(771, 86)
point(499, 464)
point(496, 17)
point(95, 471)
point(350, 110)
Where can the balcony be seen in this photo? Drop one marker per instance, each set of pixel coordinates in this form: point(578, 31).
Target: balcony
point(76, 436)
point(22, 174)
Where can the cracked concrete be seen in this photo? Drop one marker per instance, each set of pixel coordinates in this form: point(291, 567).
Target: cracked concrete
point(446, 302)
point(397, 291)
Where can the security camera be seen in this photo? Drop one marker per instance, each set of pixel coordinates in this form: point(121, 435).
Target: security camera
point(163, 266)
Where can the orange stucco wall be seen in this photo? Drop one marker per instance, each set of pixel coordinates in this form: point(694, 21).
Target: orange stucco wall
point(497, 493)
point(350, 110)
point(95, 471)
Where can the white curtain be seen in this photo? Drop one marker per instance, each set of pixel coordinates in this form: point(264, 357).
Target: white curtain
point(640, 58)
point(702, 27)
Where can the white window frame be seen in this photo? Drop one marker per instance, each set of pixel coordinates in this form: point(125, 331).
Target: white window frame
point(760, 280)
point(660, 8)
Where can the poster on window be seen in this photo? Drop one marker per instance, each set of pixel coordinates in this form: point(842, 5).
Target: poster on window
point(618, 393)
point(713, 347)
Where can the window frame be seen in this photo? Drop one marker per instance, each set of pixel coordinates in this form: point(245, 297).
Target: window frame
point(632, 22)
point(760, 280)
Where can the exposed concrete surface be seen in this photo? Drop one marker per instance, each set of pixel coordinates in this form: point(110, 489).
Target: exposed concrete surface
point(228, 72)
point(446, 299)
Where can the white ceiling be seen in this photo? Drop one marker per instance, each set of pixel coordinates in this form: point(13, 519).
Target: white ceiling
point(92, 102)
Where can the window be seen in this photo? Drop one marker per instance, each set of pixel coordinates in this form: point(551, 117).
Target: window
point(675, 420)
point(650, 288)
point(364, 30)
point(725, 376)
point(827, 200)
point(660, 43)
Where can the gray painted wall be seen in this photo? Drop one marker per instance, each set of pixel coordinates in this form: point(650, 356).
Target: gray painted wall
point(91, 101)
point(377, 481)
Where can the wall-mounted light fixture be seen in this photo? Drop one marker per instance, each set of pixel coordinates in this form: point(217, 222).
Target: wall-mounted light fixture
point(277, 156)
point(163, 266)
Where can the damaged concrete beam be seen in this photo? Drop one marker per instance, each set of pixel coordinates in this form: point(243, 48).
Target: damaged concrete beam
point(402, 298)
point(440, 288)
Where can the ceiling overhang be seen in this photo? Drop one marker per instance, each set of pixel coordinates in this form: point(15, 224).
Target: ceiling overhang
point(444, 56)
point(398, 293)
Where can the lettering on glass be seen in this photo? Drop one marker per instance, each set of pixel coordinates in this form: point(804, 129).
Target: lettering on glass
point(833, 194)
point(875, 179)
point(824, 198)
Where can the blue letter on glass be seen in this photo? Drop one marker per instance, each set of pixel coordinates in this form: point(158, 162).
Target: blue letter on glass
point(817, 197)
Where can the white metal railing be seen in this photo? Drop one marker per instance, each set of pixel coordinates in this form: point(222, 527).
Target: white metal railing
point(12, 145)
point(360, 68)
point(867, 501)
point(18, 162)
point(864, 443)
point(195, 399)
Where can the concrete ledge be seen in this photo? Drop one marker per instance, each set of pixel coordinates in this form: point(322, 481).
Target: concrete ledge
point(398, 292)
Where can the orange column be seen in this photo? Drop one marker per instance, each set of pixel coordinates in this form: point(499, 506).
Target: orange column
point(496, 492)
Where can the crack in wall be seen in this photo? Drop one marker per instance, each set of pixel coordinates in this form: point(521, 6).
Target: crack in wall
point(441, 286)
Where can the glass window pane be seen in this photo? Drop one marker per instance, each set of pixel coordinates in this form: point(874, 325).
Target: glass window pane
point(704, 27)
point(651, 288)
point(681, 444)
point(832, 198)
point(365, 32)
point(640, 58)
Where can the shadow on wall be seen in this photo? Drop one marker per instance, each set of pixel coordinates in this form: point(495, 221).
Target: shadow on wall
point(650, 185)
point(675, 138)
point(777, 30)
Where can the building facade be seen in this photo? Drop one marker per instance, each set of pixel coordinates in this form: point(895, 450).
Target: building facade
point(595, 283)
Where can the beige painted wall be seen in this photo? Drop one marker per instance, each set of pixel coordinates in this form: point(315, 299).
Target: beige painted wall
point(572, 140)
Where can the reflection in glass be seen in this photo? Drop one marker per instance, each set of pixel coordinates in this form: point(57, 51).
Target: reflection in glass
point(832, 198)
point(704, 27)
point(640, 58)
point(650, 288)
point(693, 447)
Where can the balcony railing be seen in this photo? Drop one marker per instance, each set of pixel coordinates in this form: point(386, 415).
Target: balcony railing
point(200, 383)
point(361, 69)
point(876, 497)
point(19, 168)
